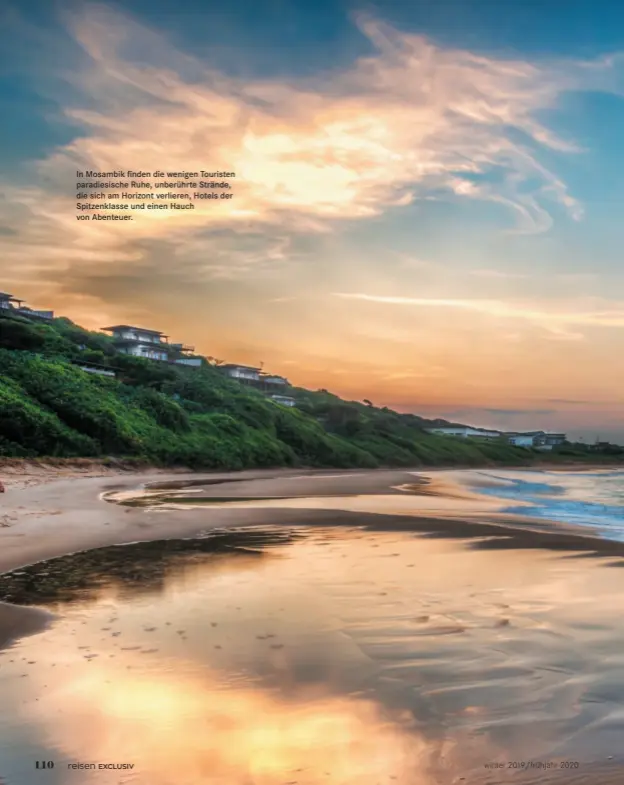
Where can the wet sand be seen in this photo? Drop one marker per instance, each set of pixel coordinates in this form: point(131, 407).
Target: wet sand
point(54, 517)
point(406, 619)
point(67, 515)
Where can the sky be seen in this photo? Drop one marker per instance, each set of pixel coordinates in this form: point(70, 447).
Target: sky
point(428, 201)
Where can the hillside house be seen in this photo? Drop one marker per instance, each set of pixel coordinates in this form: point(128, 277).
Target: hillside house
point(11, 306)
point(521, 439)
point(139, 342)
point(549, 440)
point(540, 440)
point(246, 374)
point(283, 400)
point(8, 302)
point(150, 344)
point(465, 432)
point(275, 387)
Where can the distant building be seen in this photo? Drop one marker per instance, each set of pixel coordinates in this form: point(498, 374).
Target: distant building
point(194, 362)
point(274, 385)
point(549, 440)
point(99, 370)
point(8, 302)
point(140, 342)
point(284, 400)
point(521, 439)
point(242, 373)
point(11, 306)
point(540, 440)
point(270, 384)
point(150, 344)
point(465, 432)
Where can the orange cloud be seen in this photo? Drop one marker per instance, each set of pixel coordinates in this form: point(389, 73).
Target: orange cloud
point(410, 118)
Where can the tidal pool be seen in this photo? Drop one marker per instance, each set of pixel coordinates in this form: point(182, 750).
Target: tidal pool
point(335, 655)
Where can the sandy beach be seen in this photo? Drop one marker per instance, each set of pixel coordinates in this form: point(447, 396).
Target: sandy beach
point(49, 511)
point(477, 633)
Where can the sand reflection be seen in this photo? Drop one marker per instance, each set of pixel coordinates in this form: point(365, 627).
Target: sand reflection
point(180, 730)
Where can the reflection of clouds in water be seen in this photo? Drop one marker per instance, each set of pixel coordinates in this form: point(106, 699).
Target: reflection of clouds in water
point(504, 655)
point(183, 730)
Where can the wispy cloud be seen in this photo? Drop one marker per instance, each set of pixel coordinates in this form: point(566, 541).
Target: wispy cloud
point(498, 274)
point(412, 120)
point(555, 321)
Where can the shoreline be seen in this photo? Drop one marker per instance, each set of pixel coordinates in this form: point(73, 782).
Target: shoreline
point(66, 513)
point(27, 472)
point(53, 514)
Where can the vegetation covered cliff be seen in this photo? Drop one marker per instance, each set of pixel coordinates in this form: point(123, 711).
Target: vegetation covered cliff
point(196, 417)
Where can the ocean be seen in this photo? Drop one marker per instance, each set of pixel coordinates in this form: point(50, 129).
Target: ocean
point(589, 499)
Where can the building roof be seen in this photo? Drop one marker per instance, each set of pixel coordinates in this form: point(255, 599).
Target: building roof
point(131, 327)
point(6, 296)
point(242, 367)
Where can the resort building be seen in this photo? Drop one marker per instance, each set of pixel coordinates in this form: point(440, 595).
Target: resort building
point(284, 400)
point(546, 441)
point(193, 362)
point(150, 344)
point(270, 384)
point(540, 440)
point(7, 301)
point(274, 385)
point(139, 342)
point(242, 373)
point(521, 439)
point(466, 432)
point(11, 306)
point(98, 370)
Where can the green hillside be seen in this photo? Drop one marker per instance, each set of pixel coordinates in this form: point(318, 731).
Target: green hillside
point(195, 417)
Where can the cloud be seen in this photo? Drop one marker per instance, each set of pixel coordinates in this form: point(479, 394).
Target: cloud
point(498, 274)
point(570, 401)
point(411, 121)
point(514, 412)
point(556, 322)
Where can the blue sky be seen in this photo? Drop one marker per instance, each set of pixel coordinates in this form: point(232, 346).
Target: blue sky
point(429, 204)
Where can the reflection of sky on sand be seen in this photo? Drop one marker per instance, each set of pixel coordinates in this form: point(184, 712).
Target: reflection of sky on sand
point(187, 729)
point(346, 657)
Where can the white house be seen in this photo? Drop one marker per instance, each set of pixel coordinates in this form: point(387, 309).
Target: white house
point(522, 439)
point(541, 440)
point(283, 400)
point(546, 441)
point(242, 373)
point(193, 362)
point(151, 344)
point(96, 370)
point(139, 342)
point(276, 382)
point(7, 301)
point(465, 432)
point(11, 305)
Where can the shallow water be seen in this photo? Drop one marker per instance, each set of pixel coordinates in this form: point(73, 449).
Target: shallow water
point(593, 500)
point(316, 655)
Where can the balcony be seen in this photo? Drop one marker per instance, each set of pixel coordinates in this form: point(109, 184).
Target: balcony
point(182, 347)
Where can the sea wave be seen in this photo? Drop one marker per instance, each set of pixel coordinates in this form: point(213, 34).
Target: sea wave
point(593, 500)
